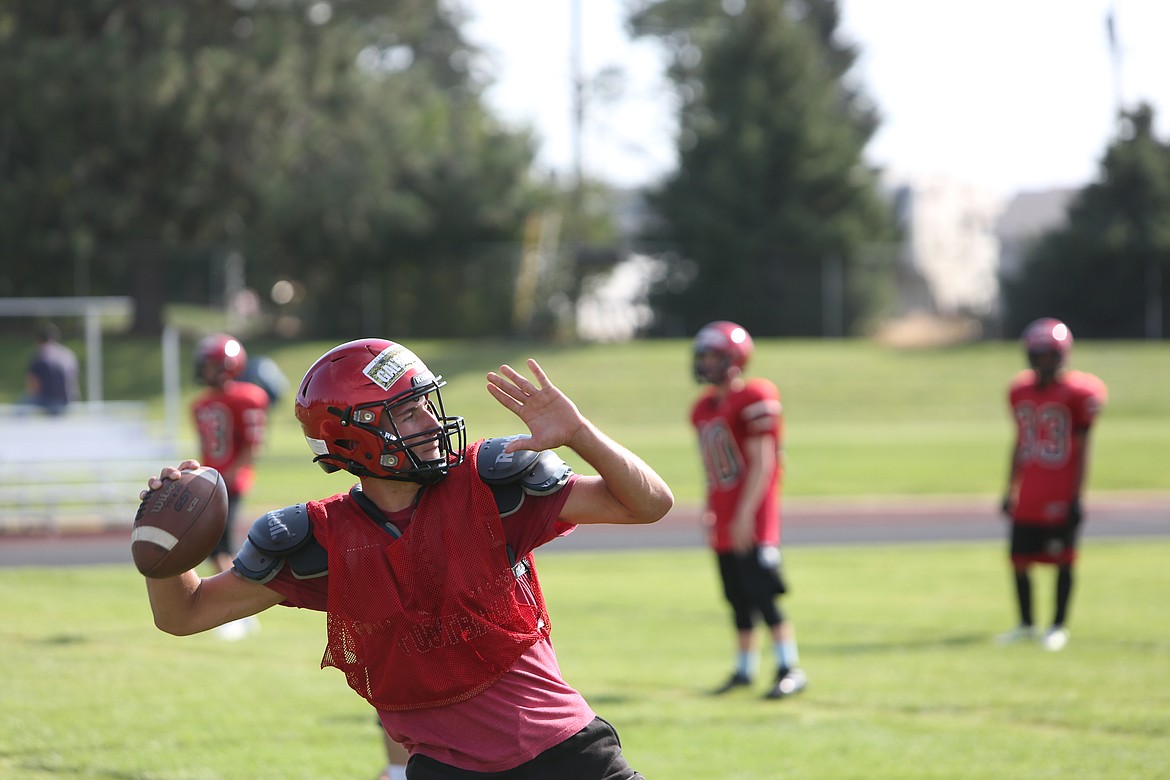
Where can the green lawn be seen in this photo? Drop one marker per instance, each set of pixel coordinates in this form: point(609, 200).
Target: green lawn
point(906, 682)
point(861, 419)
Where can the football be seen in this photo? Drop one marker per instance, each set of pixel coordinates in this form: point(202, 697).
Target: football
point(178, 525)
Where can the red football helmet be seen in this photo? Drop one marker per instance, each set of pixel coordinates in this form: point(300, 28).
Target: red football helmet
point(340, 405)
point(1044, 336)
point(223, 353)
point(729, 341)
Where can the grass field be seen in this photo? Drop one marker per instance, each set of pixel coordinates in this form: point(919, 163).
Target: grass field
point(861, 419)
point(905, 681)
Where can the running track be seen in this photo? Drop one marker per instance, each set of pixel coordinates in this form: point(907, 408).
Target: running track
point(806, 522)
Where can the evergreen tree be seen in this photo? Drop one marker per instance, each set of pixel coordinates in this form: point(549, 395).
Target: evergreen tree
point(771, 202)
point(340, 145)
point(1107, 272)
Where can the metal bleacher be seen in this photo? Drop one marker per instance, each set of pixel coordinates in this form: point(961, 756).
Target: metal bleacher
point(80, 470)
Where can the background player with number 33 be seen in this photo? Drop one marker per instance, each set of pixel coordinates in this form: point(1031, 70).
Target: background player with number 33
point(1053, 409)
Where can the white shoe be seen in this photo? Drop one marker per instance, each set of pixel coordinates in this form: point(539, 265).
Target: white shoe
point(1017, 634)
point(788, 682)
point(1055, 639)
point(238, 629)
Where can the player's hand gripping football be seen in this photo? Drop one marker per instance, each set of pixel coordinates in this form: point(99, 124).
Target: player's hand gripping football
point(167, 472)
point(552, 418)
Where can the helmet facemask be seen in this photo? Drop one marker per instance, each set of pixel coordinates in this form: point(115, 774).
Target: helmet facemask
point(1046, 363)
point(346, 405)
point(708, 371)
point(399, 459)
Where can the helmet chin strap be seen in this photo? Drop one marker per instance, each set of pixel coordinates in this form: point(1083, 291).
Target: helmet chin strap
point(423, 472)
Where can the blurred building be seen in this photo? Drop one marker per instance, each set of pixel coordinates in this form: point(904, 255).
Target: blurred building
point(615, 306)
point(1026, 217)
point(959, 241)
point(950, 251)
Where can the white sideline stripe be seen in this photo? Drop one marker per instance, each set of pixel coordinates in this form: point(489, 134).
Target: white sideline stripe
point(148, 533)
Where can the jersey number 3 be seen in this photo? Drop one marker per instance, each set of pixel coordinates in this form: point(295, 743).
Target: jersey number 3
point(1044, 433)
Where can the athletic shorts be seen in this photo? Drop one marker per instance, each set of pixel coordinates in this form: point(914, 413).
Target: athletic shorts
point(752, 578)
point(593, 753)
point(226, 544)
point(1043, 543)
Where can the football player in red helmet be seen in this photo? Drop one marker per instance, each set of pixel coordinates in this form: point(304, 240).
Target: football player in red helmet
point(1053, 409)
point(425, 567)
point(720, 347)
point(218, 358)
point(1048, 343)
point(741, 429)
point(231, 420)
point(350, 404)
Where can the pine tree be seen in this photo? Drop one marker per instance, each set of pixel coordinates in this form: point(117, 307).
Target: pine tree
point(1107, 272)
point(771, 200)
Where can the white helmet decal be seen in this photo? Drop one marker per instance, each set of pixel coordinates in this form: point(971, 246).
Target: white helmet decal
point(391, 364)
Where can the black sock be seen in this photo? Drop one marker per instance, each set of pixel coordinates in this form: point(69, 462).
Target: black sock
point(1024, 597)
point(1064, 586)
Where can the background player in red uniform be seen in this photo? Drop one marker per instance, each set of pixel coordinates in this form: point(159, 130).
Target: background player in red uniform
point(231, 418)
point(1053, 408)
point(740, 426)
point(425, 568)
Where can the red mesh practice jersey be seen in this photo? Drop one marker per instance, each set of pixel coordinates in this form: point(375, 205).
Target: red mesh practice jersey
point(437, 615)
point(1051, 423)
point(527, 710)
point(228, 423)
point(724, 425)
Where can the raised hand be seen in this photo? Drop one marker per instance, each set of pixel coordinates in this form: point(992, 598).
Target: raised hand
point(552, 418)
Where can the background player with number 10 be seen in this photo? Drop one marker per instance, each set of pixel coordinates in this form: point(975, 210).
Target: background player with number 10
point(740, 426)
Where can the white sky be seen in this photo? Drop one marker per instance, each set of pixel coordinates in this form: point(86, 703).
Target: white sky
point(1006, 94)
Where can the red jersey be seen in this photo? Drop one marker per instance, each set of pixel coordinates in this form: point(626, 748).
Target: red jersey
point(527, 710)
point(724, 424)
point(443, 596)
point(1052, 425)
point(229, 423)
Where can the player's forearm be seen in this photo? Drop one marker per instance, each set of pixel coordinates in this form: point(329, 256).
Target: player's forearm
point(754, 489)
point(188, 604)
point(630, 480)
point(174, 602)
point(761, 457)
point(1013, 471)
point(1082, 468)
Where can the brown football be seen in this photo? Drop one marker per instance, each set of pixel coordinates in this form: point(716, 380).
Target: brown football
point(178, 525)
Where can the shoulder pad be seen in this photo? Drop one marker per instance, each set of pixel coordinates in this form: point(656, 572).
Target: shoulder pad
point(539, 473)
point(279, 536)
point(282, 531)
point(511, 475)
point(546, 476)
point(497, 467)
